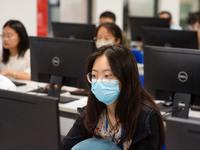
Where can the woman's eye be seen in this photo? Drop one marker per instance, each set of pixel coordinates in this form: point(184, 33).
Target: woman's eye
point(107, 39)
point(93, 76)
point(107, 76)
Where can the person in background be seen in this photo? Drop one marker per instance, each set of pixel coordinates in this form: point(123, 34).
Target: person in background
point(108, 16)
point(15, 57)
point(6, 84)
point(193, 22)
point(167, 14)
point(107, 33)
point(118, 108)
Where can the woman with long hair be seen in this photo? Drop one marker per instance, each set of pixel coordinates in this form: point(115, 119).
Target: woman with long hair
point(15, 57)
point(118, 108)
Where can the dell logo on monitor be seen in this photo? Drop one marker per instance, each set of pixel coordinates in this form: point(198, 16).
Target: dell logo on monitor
point(182, 76)
point(55, 61)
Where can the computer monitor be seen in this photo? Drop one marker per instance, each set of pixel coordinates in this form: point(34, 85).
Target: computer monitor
point(172, 74)
point(28, 122)
point(59, 61)
point(182, 134)
point(73, 30)
point(169, 38)
point(137, 22)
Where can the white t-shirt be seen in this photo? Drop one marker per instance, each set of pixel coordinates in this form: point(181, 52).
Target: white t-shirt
point(6, 84)
point(18, 64)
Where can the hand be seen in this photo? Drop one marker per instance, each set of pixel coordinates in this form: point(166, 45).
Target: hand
point(47, 86)
point(7, 73)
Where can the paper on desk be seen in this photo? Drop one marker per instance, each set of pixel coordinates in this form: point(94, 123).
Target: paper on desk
point(72, 106)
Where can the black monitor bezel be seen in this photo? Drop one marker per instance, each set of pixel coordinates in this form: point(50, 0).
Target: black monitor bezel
point(137, 22)
point(169, 38)
point(54, 69)
point(182, 133)
point(171, 74)
point(73, 30)
point(31, 116)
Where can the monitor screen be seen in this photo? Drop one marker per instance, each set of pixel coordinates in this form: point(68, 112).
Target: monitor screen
point(169, 71)
point(169, 38)
point(73, 30)
point(28, 122)
point(59, 61)
point(137, 22)
point(182, 134)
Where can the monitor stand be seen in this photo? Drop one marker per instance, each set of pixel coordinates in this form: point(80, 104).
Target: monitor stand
point(55, 89)
point(181, 105)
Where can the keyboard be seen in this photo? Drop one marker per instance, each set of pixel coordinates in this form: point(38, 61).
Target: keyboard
point(195, 107)
point(44, 90)
point(79, 92)
point(64, 99)
point(40, 90)
point(18, 83)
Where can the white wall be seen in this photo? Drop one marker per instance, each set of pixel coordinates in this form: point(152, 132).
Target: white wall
point(173, 6)
point(115, 6)
point(23, 10)
point(141, 8)
point(74, 11)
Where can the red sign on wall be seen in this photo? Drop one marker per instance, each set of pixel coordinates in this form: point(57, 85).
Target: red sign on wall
point(42, 18)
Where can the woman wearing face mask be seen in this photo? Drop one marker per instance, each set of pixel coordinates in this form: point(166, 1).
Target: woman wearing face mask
point(15, 59)
point(108, 33)
point(118, 108)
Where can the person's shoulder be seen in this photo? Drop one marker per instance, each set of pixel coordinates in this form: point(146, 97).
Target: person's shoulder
point(27, 52)
point(27, 55)
point(147, 111)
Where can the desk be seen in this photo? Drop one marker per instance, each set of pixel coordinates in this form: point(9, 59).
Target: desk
point(192, 113)
point(68, 111)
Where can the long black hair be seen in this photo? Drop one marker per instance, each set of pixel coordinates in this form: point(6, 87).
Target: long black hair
point(131, 98)
point(23, 44)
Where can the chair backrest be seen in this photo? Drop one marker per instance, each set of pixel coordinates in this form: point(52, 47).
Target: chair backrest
point(138, 55)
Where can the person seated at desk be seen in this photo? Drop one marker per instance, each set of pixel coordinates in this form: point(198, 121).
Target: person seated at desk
point(193, 22)
point(107, 33)
point(6, 84)
point(167, 14)
point(15, 57)
point(109, 17)
point(118, 108)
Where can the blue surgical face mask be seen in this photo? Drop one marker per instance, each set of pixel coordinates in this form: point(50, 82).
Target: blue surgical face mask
point(106, 93)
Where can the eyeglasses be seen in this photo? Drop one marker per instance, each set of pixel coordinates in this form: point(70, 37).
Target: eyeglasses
point(7, 36)
point(105, 78)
